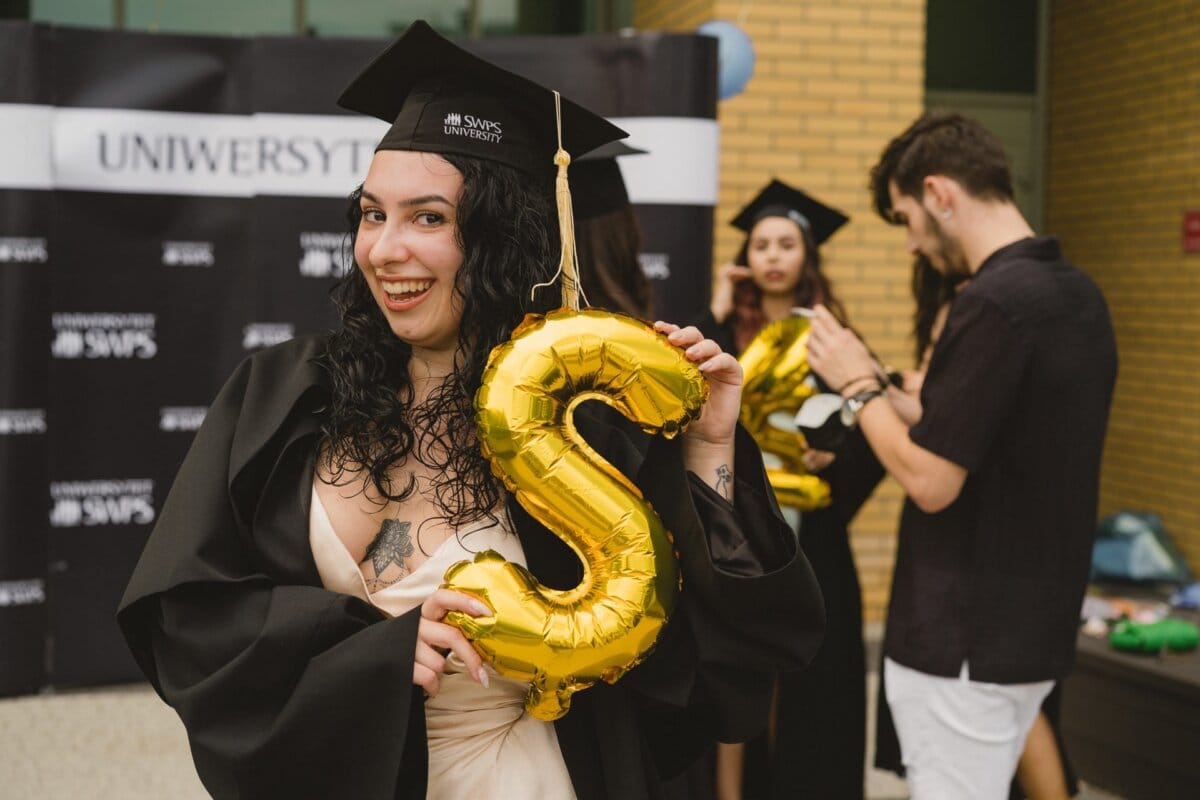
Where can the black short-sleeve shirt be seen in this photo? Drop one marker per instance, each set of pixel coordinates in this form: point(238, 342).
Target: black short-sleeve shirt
point(1017, 393)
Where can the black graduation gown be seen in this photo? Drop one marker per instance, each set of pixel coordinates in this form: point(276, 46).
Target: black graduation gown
point(287, 689)
point(820, 731)
point(820, 728)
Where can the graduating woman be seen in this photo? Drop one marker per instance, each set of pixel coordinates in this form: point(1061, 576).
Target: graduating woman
point(288, 602)
point(816, 743)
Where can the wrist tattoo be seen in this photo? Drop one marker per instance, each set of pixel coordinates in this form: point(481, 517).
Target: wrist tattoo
point(724, 481)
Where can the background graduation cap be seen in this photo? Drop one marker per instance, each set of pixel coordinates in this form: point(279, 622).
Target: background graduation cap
point(778, 199)
point(597, 187)
point(441, 99)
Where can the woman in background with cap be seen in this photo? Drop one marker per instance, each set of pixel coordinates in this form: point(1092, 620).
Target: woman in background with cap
point(287, 604)
point(815, 746)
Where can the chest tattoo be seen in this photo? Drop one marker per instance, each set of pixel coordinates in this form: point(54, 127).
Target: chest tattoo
point(391, 546)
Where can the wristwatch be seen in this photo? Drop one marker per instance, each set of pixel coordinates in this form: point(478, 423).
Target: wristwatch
point(854, 404)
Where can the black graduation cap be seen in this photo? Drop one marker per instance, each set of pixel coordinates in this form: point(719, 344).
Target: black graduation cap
point(778, 199)
point(596, 184)
point(441, 99)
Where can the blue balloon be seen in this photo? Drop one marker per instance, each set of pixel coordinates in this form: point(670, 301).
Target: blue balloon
point(735, 56)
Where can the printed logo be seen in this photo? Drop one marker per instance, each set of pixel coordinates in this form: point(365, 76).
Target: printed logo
point(265, 334)
point(105, 502)
point(188, 254)
point(472, 127)
point(30, 592)
point(181, 418)
point(103, 335)
point(228, 151)
point(22, 420)
point(325, 255)
point(656, 266)
point(14, 250)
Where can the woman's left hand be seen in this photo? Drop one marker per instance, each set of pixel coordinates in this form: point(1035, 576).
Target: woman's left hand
point(720, 415)
point(816, 460)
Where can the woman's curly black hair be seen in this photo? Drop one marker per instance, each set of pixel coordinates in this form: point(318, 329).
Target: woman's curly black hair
point(509, 238)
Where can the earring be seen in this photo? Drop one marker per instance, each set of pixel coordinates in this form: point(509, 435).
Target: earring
point(948, 213)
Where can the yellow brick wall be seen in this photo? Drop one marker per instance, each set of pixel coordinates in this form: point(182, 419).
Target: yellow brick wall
point(833, 82)
point(1123, 163)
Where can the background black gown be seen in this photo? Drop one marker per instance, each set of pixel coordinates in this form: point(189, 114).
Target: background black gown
point(820, 730)
point(289, 690)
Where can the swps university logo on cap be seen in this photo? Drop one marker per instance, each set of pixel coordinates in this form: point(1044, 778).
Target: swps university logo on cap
point(456, 124)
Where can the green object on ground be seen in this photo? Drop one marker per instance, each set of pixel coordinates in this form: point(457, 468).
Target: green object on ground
point(1151, 637)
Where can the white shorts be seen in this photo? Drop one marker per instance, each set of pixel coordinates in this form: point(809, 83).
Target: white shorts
point(960, 738)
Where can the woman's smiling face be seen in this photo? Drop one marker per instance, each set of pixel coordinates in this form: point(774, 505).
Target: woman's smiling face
point(408, 248)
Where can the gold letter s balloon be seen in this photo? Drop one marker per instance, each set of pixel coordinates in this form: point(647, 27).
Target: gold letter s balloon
point(564, 641)
point(775, 365)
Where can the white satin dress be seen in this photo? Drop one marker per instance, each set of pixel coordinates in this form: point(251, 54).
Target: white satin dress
point(482, 744)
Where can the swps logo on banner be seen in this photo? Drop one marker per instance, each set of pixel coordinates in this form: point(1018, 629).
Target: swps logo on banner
point(104, 502)
point(30, 592)
point(181, 418)
point(23, 250)
point(103, 335)
point(324, 255)
point(456, 124)
point(188, 254)
point(655, 266)
point(265, 334)
point(15, 421)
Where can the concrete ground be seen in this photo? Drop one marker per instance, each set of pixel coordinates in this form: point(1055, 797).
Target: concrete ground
point(123, 743)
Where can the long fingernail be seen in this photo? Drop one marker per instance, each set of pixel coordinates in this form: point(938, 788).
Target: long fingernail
point(483, 677)
point(479, 609)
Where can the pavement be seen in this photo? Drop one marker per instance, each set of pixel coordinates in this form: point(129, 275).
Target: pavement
point(122, 743)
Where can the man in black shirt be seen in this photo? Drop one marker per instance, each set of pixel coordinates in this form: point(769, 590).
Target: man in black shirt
point(1001, 471)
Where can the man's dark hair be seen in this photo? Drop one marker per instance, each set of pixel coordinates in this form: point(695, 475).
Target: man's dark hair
point(942, 144)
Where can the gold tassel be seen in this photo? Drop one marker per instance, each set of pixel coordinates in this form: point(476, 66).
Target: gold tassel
point(568, 262)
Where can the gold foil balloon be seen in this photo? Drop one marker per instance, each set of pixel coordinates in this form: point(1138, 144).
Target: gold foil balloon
point(776, 372)
point(564, 641)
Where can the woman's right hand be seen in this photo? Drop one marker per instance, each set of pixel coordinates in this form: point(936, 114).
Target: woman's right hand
point(436, 640)
point(728, 276)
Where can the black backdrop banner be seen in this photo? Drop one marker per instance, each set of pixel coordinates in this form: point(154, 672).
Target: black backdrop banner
point(25, 270)
point(169, 204)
